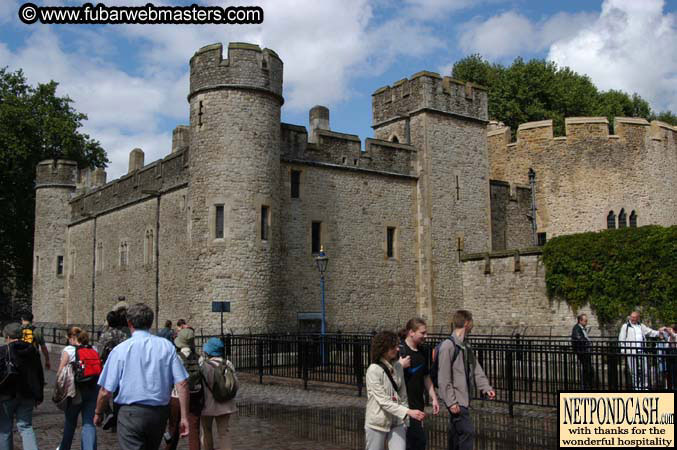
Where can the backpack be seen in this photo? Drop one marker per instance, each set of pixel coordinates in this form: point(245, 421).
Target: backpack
point(195, 388)
point(115, 338)
point(224, 385)
point(435, 367)
point(87, 364)
point(8, 365)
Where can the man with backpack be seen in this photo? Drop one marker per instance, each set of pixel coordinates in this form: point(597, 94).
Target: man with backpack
point(33, 336)
point(21, 388)
point(185, 345)
point(459, 373)
point(417, 379)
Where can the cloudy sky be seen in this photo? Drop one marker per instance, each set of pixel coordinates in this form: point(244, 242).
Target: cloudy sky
point(132, 80)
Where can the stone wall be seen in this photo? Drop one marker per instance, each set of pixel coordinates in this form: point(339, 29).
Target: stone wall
point(364, 288)
point(510, 211)
point(583, 176)
point(504, 291)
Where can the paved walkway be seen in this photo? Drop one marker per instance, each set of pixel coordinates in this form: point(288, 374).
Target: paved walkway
point(276, 414)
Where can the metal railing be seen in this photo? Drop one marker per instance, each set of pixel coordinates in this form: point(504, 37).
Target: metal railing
point(522, 370)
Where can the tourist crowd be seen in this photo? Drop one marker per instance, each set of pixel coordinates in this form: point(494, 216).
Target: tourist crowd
point(153, 390)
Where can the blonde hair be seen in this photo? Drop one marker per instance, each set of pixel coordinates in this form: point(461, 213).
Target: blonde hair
point(79, 334)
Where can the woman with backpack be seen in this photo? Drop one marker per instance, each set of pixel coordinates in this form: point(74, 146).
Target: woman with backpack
point(221, 387)
point(387, 406)
point(87, 368)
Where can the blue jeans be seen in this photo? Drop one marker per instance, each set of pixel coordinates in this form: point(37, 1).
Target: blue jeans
point(22, 409)
point(88, 392)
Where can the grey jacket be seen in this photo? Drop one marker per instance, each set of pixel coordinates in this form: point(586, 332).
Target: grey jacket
point(453, 386)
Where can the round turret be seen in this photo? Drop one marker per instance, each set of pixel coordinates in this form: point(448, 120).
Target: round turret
point(54, 184)
point(234, 178)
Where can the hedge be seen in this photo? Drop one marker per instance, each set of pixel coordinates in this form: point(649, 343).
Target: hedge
point(615, 272)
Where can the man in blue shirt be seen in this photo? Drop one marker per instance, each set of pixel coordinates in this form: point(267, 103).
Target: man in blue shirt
point(142, 370)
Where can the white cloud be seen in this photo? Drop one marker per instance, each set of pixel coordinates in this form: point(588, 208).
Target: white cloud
point(510, 33)
point(132, 80)
point(631, 47)
point(8, 10)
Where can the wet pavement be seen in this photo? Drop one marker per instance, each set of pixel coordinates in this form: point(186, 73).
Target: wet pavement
point(281, 415)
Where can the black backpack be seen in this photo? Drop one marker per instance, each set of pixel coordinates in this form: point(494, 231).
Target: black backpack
point(9, 368)
point(435, 367)
point(195, 386)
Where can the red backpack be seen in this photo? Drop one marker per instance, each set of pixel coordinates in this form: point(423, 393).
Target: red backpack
point(87, 364)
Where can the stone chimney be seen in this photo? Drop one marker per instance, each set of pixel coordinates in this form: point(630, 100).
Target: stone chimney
point(135, 160)
point(180, 138)
point(319, 120)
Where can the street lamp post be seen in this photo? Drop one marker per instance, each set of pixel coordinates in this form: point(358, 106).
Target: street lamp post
point(321, 260)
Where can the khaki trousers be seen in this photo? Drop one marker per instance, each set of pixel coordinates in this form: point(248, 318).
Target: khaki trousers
point(223, 432)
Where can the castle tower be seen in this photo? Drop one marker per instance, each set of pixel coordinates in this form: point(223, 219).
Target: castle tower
point(446, 120)
point(54, 183)
point(234, 176)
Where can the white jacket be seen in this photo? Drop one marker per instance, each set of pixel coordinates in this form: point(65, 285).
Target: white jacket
point(631, 339)
point(386, 408)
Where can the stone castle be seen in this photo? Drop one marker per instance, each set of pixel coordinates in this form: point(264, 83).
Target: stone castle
point(432, 215)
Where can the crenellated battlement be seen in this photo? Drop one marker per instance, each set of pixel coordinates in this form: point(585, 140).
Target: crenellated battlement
point(56, 173)
point(142, 183)
point(580, 129)
point(247, 67)
point(428, 91)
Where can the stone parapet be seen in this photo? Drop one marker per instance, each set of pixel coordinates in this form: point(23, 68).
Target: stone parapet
point(157, 177)
point(247, 67)
point(428, 91)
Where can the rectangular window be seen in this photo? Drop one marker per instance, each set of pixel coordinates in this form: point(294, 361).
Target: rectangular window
point(37, 265)
point(542, 238)
point(316, 236)
point(59, 265)
point(218, 226)
point(390, 242)
point(295, 183)
point(264, 223)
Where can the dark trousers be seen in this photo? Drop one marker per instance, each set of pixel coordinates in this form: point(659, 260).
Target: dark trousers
point(461, 431)
point(141, 427)
point(416, 438)
point(588, 379)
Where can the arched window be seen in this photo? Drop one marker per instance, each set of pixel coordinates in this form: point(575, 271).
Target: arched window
point(633, 219)
point(124, 254)
point(611, 220)
point(394, 140)
point(622, 219)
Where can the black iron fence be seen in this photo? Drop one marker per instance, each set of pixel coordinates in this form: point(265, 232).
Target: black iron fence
point(522, 370)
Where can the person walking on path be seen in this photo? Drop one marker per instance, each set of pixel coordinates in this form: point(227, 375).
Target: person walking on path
point(632, 339)
point(185, 343)
point(21, 390)
point(167, 331)
point(458, 377)
point(417, 379)
point(143, 370)
point(111, 338)
point(215, 411)
point(33, 336)
point(387, 407)
point(85, 404)
point(582, 347)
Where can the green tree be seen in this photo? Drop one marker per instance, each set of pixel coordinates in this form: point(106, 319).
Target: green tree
point(35, 124)
point(540, 90)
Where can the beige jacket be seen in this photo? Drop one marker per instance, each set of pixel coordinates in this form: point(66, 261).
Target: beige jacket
point(453, 386)
point(386, 408)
